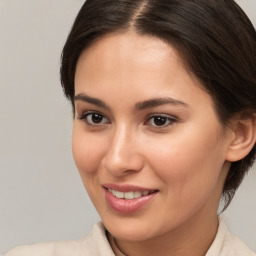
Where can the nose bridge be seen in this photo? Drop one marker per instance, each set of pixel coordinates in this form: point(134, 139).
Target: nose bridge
point(120, 141)
point(122, 155)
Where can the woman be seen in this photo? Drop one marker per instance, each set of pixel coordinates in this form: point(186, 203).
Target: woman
point(163, 96)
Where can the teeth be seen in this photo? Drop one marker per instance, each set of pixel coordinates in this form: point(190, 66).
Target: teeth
point(119, 194)
point(145, 193)
point(128, 195)
point(137, 194)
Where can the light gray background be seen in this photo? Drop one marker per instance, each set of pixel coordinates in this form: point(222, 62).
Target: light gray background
point(41, 195)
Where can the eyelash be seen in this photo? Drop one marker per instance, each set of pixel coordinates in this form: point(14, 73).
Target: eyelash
point(167, 119)
point(85, 116)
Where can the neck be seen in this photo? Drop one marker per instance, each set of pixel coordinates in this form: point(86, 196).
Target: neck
point(193, 238)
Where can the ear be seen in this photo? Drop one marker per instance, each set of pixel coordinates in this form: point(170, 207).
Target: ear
point(244, 137)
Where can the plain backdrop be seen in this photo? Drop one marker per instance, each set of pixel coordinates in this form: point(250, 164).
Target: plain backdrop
point(41, 195)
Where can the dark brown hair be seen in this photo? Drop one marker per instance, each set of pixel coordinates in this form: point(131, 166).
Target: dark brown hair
point(215, 38)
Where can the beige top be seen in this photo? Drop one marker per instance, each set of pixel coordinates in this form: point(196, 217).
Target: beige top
point(97, 244)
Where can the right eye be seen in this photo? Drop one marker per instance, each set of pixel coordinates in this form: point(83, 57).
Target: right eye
point(94, 119)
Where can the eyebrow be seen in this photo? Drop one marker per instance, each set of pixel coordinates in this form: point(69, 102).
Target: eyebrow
point(94, 101)
point(151, 103)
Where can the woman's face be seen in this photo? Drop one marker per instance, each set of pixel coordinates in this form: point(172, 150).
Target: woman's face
point(146, 139)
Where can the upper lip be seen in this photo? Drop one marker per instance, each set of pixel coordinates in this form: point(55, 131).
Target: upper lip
point(126, 187)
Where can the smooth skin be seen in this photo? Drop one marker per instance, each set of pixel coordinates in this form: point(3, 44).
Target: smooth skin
point(176, 146)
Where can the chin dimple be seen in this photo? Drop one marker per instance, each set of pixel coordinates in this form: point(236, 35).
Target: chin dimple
point(129, 195)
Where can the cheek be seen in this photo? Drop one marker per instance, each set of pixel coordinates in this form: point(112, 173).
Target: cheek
point(87, 152)
point(188, 164)
point(190, 178)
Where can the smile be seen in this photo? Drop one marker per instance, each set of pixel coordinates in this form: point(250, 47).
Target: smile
point(127, 199)
point(130, 194)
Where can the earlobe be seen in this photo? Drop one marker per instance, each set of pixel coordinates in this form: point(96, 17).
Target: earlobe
point(244, 138)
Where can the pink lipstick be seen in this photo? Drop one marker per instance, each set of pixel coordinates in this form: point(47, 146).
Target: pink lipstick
point(128, 198)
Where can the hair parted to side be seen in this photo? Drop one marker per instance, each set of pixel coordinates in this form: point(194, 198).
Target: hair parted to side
point(215, 39)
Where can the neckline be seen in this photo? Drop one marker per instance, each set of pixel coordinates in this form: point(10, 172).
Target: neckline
point(114, 246)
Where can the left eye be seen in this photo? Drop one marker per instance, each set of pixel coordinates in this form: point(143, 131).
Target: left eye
point(95, 119)
point(160, 121)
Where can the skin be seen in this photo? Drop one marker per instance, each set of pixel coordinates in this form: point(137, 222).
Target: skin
point(185, 159)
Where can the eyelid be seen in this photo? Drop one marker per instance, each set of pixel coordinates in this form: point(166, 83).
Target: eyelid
point(85, 114)
point(172, 119)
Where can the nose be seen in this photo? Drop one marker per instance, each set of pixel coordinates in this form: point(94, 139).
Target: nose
point(123, 156)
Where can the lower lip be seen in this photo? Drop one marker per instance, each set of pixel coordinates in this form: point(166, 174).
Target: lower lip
point(126, 206)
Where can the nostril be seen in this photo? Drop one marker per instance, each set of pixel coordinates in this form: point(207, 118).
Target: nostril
point(127, 163)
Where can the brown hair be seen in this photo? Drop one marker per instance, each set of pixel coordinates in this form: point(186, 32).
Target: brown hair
point(215, 38)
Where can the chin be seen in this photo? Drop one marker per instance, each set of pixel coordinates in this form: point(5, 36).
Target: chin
point(131, 234)
point(133, 229)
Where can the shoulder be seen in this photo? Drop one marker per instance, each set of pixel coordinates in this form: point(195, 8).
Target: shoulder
point(227, 244)
point(237, 247)
point(94, 244)
point(49, 249)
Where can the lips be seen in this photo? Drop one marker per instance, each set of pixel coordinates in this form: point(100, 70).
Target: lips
point(127, 198)
point(130, 194)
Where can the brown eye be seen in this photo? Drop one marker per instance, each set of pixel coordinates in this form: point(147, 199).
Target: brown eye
point(161, 121)
point(94, 119)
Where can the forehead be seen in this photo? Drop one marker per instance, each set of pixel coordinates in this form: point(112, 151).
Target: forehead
point(120, 44)
point(128, 55)
point(127, 64)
